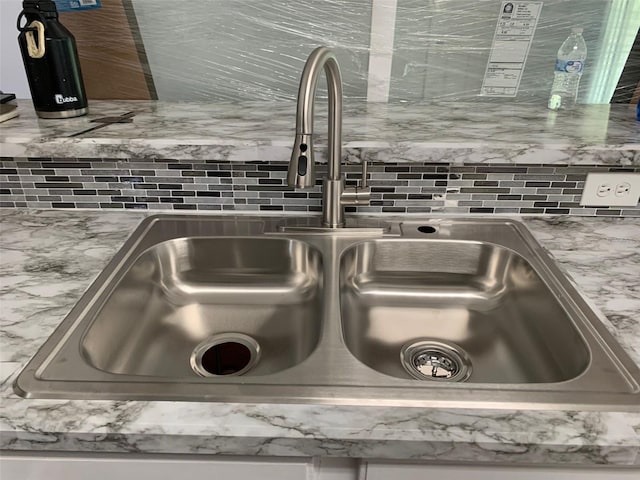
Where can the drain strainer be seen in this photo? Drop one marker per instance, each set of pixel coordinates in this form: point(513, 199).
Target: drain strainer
point(226, 354)
point(435, 360)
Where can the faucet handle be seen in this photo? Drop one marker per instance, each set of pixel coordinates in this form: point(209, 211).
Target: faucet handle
point(359, 195)
point(364, 183)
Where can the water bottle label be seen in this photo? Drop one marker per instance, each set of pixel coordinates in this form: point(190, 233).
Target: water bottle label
point(570, 66)
point(76, 5)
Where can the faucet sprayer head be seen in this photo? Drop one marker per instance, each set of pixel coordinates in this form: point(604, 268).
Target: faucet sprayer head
point(302, 168)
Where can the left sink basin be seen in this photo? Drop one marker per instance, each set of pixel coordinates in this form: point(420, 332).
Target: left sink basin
point(210, 306)
point(186, 301)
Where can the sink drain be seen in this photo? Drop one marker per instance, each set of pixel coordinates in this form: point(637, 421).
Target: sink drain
point(435, 360)
point(226, 354)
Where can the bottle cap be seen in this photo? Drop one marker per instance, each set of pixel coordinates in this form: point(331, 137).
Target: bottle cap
point(577, 30)
point(42, 5)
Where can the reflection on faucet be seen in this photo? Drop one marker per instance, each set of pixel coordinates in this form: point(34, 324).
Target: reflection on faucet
point(302, 166)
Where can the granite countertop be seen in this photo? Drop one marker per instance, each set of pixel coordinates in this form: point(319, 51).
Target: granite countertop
point(50, 257)
point(249, 131)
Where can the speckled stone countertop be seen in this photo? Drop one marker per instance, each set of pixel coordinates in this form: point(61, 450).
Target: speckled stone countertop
point(249, 131)
point(50, 257)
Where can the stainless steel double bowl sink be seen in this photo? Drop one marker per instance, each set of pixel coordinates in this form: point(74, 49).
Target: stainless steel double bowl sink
point(443, 312)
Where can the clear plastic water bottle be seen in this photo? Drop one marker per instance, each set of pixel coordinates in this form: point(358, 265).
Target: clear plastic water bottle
point(569, 65)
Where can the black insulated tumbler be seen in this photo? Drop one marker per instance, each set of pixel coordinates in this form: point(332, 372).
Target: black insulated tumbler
point(51, 61)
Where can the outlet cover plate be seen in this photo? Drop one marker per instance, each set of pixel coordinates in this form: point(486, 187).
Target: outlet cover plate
point(600, 190)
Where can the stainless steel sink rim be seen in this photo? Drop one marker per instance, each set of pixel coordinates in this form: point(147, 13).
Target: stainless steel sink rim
point(331, 374)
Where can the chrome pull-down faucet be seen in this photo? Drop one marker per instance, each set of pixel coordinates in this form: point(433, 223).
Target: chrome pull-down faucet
point(301, 172)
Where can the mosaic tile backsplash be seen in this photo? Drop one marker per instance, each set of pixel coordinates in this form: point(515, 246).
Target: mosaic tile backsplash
point(203, 185)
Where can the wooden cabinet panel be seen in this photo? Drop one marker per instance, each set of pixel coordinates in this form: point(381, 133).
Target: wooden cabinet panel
point(111, 52)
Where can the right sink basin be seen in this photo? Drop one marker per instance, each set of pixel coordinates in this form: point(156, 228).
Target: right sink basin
point(455, 311)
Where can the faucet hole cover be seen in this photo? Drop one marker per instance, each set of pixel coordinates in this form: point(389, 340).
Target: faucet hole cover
point(426, 229)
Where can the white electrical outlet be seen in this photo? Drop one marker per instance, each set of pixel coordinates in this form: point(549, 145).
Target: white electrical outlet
point(611, 190)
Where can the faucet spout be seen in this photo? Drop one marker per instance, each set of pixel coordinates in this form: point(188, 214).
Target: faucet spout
point(302, 165)
point(301, 172)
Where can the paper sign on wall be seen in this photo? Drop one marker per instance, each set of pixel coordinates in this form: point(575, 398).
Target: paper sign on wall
point(75, 5)
point(511, 43)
